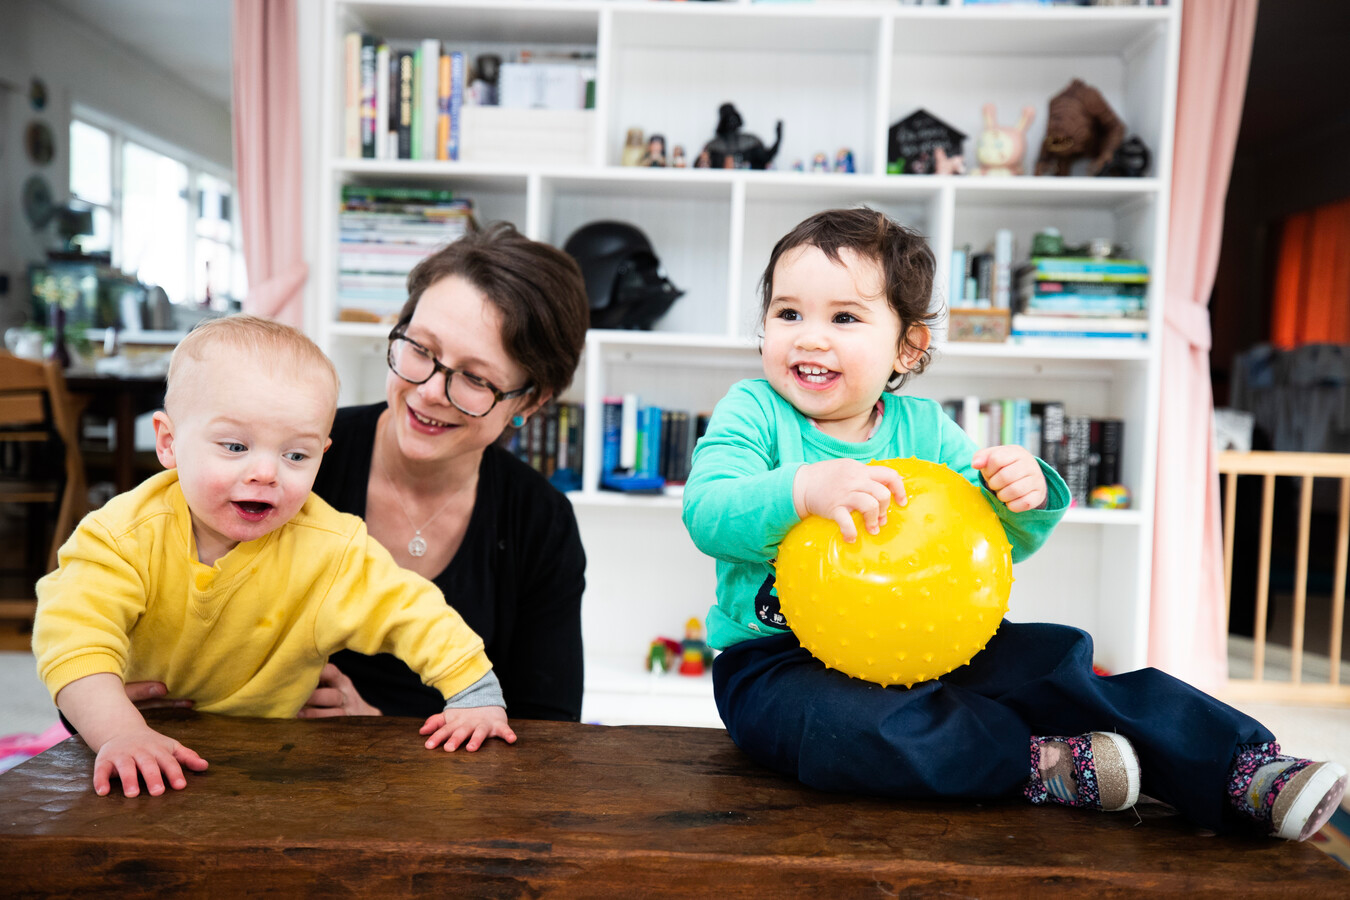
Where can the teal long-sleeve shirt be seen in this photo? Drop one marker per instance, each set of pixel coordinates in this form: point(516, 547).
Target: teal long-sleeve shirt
point(738, 499)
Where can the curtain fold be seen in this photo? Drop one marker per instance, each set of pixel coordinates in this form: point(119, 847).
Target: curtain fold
point(1312, 279)
point(1186, 612)
point(267, 157)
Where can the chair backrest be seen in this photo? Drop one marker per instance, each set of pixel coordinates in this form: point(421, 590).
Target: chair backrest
point(1291, 686)
point(30, 392)
point(23, 392)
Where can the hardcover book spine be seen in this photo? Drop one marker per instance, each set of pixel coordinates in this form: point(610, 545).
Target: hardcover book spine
point(1077, 448)
point(351, 105)
point(611, 435)
point(443, 109)
point(428, 86)
point(1112, 436)
point(368, 82)
point(456, 102)
point(404, 107)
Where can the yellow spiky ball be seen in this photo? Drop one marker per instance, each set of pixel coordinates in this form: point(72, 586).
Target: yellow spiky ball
point(911, 603)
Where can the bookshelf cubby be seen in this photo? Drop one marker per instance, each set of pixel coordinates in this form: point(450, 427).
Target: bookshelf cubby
point(837, 74)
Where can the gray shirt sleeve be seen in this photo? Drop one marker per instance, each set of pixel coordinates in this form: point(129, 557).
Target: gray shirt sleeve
point(486, 691)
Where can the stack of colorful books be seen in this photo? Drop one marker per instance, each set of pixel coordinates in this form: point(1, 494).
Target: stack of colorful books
point(382, 233)
point(1081, 298)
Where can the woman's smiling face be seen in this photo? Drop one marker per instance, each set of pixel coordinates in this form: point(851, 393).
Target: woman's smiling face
point(456, 322)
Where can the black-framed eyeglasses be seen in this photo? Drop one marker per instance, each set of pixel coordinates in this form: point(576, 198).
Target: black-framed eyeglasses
point(467, 392)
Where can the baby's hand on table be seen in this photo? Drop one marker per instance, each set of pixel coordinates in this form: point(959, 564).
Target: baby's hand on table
point(836, 488)
point(469, 726)
point(145, 751)
point(1013, 475)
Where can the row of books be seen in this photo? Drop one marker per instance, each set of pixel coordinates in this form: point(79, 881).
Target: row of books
point(383, 232)
point(983, 279)
point(1085, 451)
point(401, 103)
point(551, 442)
point(644, 448)
point(407, 102)
point(1061, 297)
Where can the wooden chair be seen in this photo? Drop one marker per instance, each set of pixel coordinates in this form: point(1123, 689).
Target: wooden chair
point(35, 407)
point(1306, 467)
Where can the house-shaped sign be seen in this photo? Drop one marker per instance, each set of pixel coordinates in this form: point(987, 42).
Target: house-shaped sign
point(914, 141)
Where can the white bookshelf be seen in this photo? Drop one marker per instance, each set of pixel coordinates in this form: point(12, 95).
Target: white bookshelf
point(838, 74)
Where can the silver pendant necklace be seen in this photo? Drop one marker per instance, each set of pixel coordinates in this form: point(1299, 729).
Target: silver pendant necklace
point(418, 545)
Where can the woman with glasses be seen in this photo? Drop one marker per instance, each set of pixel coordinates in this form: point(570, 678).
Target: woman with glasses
point(492, 330)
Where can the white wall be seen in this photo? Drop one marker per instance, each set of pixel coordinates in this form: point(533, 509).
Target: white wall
point(81, 66)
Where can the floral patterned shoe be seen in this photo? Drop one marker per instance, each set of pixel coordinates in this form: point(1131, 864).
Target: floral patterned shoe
point(1098, 771)
point(1285, 796)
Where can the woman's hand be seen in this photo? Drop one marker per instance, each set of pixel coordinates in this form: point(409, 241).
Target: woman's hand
point(153, 695)
point(837, 488)
point(335, 696)
point(1013, 475)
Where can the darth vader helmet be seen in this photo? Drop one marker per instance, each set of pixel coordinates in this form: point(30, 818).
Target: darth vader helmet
point(624, 280)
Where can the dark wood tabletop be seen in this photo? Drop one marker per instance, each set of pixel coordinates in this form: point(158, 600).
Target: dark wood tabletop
point(357, 807)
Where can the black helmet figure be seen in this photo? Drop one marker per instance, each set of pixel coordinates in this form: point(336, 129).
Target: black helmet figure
point(624, 280)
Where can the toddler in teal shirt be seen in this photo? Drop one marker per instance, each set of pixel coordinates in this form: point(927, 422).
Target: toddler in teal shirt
point(845, 305)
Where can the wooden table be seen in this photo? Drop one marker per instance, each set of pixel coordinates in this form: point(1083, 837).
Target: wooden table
point(356, 807)
point(121, 398)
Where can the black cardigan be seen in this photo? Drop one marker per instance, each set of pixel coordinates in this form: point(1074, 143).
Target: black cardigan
point(517, 580)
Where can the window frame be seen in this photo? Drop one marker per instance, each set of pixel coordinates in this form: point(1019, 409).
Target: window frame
point(120, 133)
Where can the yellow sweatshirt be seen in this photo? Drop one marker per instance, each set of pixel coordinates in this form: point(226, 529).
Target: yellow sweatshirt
point(249, 635)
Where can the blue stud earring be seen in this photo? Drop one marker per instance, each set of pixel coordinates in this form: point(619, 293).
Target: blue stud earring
point(517, 421)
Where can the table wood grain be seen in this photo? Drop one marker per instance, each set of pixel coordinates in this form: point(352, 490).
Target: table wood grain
point(357, 807)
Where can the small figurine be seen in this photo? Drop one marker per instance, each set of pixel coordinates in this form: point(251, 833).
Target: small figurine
point(914, 142)
point(732, 143)
point(1105, 496)
point(843, 161)
point(1131, 160)
point(704, 160)
point(820, 163)
point(1081, 123)
point(655, 156)
point(695, 656)
point(1000, 149)
point(948, 165)
point(661, 655)
point(677, 156)
point(798, 166)
point(632, 148)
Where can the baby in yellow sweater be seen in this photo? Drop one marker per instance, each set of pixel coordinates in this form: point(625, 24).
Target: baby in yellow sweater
point(226, 579)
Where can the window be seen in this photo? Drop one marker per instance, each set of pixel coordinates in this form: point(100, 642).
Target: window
point(163, 215)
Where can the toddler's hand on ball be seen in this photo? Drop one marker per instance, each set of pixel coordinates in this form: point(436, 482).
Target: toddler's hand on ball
point(837, 488)
point(1013, 475)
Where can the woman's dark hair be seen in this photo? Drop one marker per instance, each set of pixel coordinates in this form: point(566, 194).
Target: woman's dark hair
point(537, 288)
point(906, 262)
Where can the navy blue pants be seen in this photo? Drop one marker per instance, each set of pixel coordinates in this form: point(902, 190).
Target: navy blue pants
point(968, 733)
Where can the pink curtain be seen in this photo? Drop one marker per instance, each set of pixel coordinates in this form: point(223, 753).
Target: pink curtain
point(267, 156)
point(1187, 618)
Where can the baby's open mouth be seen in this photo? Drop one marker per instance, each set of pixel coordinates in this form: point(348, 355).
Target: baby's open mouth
point(252, 507)
point(815, 374)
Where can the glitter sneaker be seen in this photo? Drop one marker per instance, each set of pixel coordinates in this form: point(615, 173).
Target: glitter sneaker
point(1098, 771)
point(1287, 797)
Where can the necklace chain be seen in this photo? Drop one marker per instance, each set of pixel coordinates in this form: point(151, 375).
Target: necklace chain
point(418, 545)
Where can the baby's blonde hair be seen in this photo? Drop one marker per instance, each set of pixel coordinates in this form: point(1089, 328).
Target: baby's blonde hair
point(261, 339)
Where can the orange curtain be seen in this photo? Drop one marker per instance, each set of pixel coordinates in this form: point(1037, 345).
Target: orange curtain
point(1312, 279)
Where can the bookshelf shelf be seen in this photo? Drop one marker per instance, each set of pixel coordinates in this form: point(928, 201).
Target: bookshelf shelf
point(837, 75)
